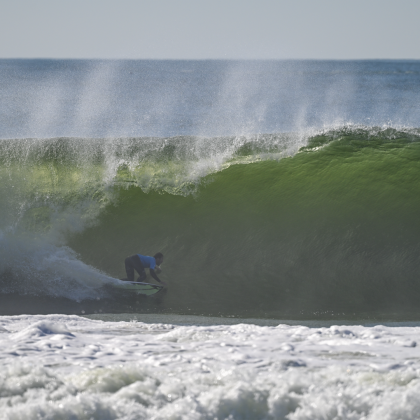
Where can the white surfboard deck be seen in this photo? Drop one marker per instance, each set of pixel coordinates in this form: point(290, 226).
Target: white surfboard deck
point(137, 287)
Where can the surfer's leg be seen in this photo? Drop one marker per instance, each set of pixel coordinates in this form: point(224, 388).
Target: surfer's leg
point(142, 276)
point(138, 266)
point(129, 268)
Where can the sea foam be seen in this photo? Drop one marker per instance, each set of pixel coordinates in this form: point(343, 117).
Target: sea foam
point(66, 367)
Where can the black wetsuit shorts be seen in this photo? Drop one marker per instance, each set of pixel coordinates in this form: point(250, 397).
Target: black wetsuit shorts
point(134, 263)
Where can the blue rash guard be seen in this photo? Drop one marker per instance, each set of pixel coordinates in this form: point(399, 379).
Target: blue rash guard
point(147, 262)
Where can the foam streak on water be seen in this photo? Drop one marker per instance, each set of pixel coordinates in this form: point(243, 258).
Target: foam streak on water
point(66, 367)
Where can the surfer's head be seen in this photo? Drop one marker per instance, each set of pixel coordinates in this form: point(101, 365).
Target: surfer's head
point(159, 258)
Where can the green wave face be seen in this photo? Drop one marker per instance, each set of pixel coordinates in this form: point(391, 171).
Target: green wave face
point(332, 228)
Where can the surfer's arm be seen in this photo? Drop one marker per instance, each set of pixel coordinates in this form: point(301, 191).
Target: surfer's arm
point(153, 274)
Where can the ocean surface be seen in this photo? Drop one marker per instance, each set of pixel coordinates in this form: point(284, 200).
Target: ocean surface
point(285, 196)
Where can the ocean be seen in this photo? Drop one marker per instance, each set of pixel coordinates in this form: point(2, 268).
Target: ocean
point(284, 196)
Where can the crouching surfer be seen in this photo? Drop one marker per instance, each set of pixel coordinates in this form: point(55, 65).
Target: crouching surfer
point(140, 263)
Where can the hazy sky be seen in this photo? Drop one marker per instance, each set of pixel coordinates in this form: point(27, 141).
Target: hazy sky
point(210, 29)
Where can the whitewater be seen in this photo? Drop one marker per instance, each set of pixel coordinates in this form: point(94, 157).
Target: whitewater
point(69, 367)
point(285, 197)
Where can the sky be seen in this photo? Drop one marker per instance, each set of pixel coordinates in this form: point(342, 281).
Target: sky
point(210, 29)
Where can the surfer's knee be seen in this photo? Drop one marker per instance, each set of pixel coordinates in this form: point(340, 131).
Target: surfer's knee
point(142, 276)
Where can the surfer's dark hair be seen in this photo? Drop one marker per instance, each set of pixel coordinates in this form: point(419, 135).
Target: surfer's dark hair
point(158, 255)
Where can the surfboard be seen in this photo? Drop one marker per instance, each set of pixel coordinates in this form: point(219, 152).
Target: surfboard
point(137, 287)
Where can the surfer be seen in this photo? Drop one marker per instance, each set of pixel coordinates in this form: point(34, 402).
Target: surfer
point(140, 263)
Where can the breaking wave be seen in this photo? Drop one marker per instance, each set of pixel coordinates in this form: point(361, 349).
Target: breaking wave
point(264, 225)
